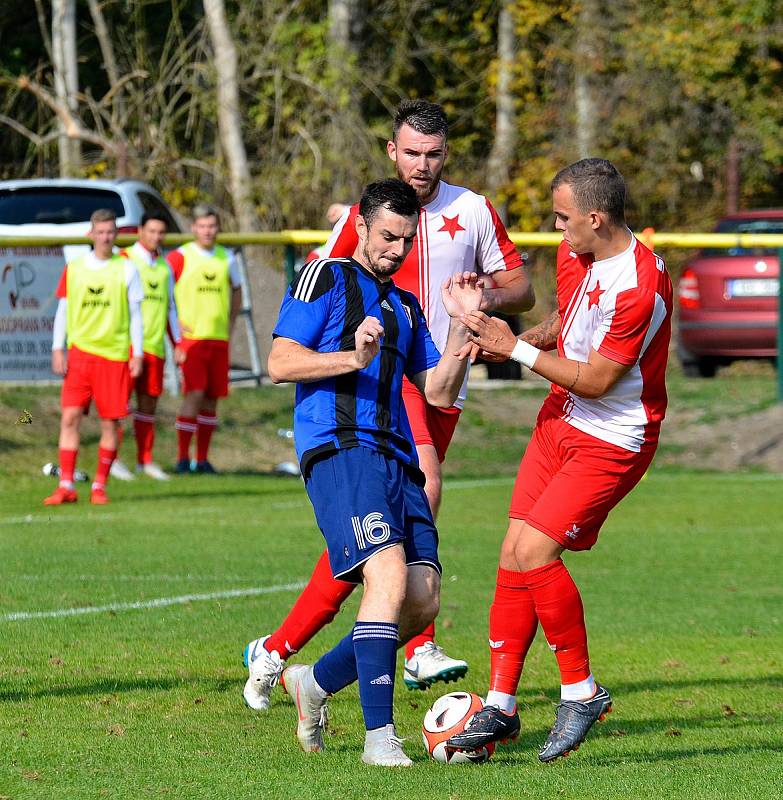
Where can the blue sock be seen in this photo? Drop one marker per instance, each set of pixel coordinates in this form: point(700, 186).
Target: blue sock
point(375, 645)
point(337, 668)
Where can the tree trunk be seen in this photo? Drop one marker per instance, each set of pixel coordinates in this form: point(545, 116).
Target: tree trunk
point(502, 153)
point(733, 181)
point(229, 116)
point(345, 23)
point(66, 80)
point(584, 69)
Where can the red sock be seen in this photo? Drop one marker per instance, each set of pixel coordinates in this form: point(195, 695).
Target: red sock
point(207, 422)
point(144, 428)
point(512, 627)
point(186, 427)
point(427, 635)
point(559, 608)
point(316, 607)
point(67, 467)
point(105, 459)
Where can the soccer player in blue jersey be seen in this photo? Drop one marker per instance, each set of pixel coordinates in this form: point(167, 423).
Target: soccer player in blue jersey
point(347, 335)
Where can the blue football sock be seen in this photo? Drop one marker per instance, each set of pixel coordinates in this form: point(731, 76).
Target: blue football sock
point(337, 668)
point(375, 645)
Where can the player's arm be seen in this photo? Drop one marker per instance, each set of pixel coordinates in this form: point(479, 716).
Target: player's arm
point(440, 384)
point(59, 360)
point(512, 292)
point(590, 379)
point(544, 335)
point(236, 291)
point(135, 293)
point(292, 362)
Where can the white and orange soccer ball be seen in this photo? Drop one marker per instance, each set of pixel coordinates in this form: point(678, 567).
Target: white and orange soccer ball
point(448, 715)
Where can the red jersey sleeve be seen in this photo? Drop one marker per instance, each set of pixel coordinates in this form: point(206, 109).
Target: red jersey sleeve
point(176, 262)
point(343, 241)
point(623, 332)
point(495, 250)
point(62, 286)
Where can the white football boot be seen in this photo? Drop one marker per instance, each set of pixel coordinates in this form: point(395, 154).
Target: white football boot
point(383, 748)
point(310, 705)
point(264, 671)
point(119, 471)
point(152, 470)
point(430, 664)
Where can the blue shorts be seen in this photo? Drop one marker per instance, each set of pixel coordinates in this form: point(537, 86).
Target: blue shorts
point(365, 502)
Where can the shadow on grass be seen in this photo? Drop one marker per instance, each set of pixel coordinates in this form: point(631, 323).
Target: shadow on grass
point(113, 686)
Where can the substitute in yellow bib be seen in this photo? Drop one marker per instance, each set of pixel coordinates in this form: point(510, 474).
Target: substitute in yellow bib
point(99, 314)
point(159, 313)
point(208, 296)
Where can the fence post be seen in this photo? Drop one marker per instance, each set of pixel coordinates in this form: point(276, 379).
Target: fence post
point(780, 326)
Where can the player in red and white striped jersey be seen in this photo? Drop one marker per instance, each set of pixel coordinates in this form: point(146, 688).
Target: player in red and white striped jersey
point(594, 439)
point(458, 230)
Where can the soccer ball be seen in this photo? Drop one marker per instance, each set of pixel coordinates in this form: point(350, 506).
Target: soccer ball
point(448, 715)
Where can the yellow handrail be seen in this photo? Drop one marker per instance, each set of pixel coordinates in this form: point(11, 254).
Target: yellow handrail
point(308, 237)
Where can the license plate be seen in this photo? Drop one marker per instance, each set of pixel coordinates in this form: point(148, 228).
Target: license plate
point(752, 287)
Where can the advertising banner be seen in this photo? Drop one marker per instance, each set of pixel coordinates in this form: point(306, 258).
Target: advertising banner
point(28, 281)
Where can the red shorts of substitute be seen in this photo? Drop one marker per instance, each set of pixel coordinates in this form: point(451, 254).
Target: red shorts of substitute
point(429, 425)
point(93, 378)
point(150, 382)
point(569, 481)
point(206, 367)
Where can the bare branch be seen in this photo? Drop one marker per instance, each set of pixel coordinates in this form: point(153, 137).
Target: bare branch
point(44, 27)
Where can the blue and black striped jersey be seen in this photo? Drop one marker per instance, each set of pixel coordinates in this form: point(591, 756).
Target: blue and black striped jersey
point(321, 310)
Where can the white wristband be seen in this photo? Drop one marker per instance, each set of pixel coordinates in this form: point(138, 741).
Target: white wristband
point(525, 353)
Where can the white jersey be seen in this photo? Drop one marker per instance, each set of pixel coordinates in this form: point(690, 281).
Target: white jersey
point(620, 307)
point(459, 230)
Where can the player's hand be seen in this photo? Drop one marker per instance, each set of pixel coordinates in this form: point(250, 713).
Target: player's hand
point(472, 351)
point(461, 293)
point(179, 355)
point(368, 341)
point(492, 335)
point(134, 365)
point(59, 362)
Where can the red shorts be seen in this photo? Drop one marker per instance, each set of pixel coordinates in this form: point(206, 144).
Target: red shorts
point(150, 382)
point(206, 367)
point(569, 481)
point(91, 377)
point(430, 425)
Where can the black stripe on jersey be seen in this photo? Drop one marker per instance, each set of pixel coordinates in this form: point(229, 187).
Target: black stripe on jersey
point(314, 280)
point(391, 333)
point(345, 386)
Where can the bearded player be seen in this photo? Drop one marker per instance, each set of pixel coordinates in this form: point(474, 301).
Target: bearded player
point(458, 230)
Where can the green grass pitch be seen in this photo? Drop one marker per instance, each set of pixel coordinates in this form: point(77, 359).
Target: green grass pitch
point(136, 700)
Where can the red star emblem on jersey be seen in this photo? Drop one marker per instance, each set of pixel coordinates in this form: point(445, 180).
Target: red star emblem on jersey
point(594, 295)
point(451, 225)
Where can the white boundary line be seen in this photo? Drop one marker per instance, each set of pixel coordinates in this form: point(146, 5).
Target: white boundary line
point(159, 602)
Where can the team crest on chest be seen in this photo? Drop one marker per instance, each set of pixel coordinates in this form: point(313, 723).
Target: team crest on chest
point(451, 225)
point(594, 295)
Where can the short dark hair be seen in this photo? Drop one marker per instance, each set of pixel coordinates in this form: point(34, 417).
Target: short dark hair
point(157, 215)
point(392, 194)
point(423, 116)
point(597, 185)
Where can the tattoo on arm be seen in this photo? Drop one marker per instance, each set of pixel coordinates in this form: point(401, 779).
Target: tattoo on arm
point(544, 335)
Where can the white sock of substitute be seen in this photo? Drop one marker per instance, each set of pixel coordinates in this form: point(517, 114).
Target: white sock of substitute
point(505, 702)
point(583, 690)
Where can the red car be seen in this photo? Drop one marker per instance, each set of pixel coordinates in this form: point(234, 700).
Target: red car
point(728, 298)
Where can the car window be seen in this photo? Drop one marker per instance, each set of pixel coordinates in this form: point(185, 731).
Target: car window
point(55, 205)
point(152, 205)
point(745, 226)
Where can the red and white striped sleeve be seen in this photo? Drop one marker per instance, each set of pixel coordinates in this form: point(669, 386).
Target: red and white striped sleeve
point(495, 250)
point(343, 241)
